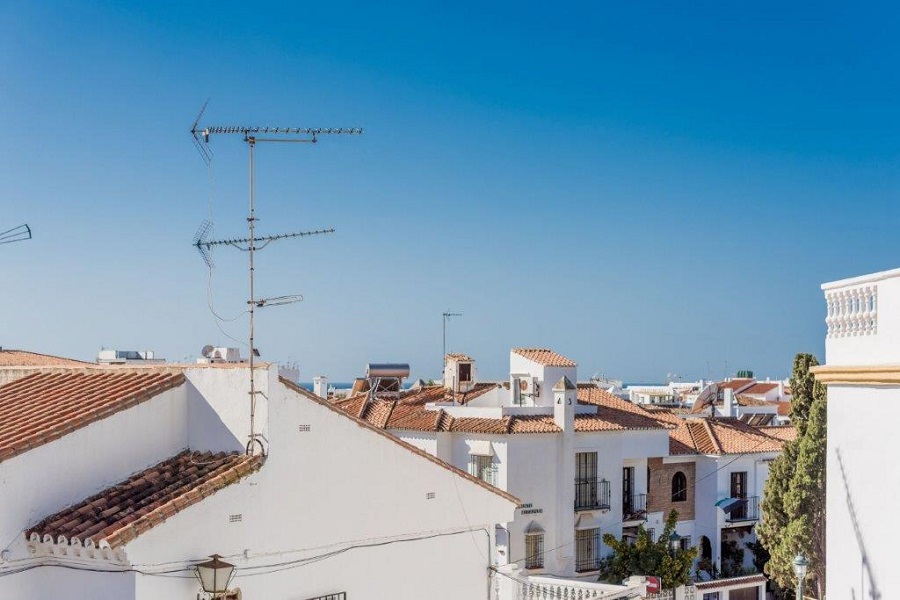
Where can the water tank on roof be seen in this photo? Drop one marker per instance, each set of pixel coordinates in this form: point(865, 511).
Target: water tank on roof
point(399, 370)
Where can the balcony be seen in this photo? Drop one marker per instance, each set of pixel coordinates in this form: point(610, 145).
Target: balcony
point(591, 494)
point(742, 510)
point(634, 507)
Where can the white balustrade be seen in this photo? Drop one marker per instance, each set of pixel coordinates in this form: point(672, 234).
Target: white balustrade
point(852, 311)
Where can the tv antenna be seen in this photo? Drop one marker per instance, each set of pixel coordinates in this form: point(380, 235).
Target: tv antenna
point(252, 242)
point(16, 234)
point(446, 316)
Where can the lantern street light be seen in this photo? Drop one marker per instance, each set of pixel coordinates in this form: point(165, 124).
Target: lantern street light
point(675, 542)
point(800, 565)
point(214, 575)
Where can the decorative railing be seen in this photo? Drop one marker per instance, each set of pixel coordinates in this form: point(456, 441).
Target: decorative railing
point(546, 587)
point(634, 507)
point(852, 311)
point(746, 510)
point(591, 494)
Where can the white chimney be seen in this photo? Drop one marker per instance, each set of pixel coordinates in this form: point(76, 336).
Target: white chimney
point(320, 386)
point(728, 409)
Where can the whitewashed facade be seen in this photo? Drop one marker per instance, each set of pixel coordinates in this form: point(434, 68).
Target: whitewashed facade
point(862, 371)
point(337, 506)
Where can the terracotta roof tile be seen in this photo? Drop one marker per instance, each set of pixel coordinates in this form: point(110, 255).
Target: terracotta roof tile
point(613, 413)
point(545, 356)
point(784, 408)
point(122, 512)
point(785, 433)
point(732, 436)
point(459, 356)
point(24, 358)
point(760, 388)
point(744, 400)
point(734, 384)
point(730, 582)
point(43, 407)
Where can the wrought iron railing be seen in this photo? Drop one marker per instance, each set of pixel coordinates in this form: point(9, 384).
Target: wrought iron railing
point(747, 509)
point(591, 494)
point(634, 507)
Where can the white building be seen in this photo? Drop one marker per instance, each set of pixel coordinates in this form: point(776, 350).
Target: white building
point(862, 371)
point(584, 461)
point(116, 481)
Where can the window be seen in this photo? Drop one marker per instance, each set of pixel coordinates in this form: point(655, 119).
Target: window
point(711, 596)
point(628, 489)
point(679, 487)
point(685, 542)
point(534, 550)
point(739, 490)
point(587, 549)
point(465, 372)
point(483, 468)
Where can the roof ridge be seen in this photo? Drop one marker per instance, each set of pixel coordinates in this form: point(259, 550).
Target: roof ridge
point(712, 435)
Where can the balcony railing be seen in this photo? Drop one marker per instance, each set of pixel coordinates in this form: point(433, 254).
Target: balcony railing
point(746, 510)
point(634, 507)
point(591, 494)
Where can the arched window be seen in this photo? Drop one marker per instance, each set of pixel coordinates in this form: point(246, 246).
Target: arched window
point(679, 487)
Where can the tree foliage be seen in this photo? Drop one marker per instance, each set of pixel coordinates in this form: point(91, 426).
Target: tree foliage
point(793, 520)
point(646, 556)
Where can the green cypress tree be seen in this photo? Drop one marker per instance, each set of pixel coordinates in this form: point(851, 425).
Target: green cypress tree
point(648, 557)
point(794, 497)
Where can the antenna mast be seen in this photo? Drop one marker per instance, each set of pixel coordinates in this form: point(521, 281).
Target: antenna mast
point(446, 316)
point(252, 243)
point(16, 234)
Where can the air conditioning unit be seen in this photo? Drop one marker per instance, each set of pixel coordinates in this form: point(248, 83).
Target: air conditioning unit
point(531, 387)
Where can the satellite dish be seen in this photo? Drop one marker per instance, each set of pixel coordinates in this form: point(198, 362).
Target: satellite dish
point(708, 395)
point(206, 351)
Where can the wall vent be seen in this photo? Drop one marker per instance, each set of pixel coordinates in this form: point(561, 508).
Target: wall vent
point(429, 496)
point(304, 428)
point(235, 518)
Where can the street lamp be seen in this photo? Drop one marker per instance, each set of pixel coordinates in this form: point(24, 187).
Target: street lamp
point(214, 575)
point(675, 542)
point(800, 565)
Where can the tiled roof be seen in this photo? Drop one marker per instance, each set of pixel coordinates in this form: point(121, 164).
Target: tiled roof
point(409, 413)
point(545, 356)
point(119, 514)
point(612, 412)
point(760, 388)
point(23, 358)
point(744, 400)
point(43, 407)
point(731, 436)
point(721, 435)
point(459, 357)
point(734, 384)
point(731, 582)
point(784, 408)
point(785, 433)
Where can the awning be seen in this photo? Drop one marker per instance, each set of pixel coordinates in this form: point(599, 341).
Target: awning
point(481, 448)
point(587, 521)
point(730, 504)
point(533, 529)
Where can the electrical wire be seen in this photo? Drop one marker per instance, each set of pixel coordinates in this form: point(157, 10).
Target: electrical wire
point(263, 569)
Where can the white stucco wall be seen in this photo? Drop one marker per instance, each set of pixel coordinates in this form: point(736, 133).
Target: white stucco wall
point(878, 348)
point(53, 476)
point(862, 425)
point(328, 489)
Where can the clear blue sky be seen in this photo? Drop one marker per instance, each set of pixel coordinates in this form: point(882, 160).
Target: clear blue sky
point(645, 187)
